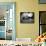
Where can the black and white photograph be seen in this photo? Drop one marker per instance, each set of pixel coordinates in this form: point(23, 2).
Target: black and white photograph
point(26, 17)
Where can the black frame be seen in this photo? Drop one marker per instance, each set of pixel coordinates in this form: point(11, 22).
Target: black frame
point(39, 21)
point(41, 2)
point(30, 18)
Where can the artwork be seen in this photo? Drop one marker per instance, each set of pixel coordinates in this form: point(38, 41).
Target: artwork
point(42, 1)
point(26, 17)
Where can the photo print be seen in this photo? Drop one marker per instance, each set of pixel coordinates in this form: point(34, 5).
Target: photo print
point(26, 17)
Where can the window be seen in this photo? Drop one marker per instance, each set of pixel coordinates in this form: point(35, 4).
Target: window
point(7, 21)
point(42, 22)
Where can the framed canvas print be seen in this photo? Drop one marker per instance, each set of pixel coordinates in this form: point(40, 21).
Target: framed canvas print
point(26, 17)
point(42, 1)
point(42, 22)
point(7, 20)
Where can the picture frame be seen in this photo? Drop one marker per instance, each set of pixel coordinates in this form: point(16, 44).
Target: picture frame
point(26, 17)
point(42, 1)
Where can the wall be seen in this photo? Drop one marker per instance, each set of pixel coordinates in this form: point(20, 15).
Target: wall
point(27, 30)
